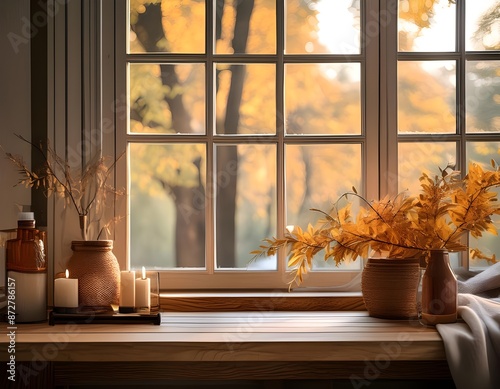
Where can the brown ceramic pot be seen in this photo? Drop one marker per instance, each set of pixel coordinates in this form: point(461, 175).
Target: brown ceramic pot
point(439, 290)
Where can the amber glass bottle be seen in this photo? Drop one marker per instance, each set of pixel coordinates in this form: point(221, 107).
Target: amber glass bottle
point(27, 270)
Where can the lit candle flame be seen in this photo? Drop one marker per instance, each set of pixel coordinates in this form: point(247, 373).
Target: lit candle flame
point(67, 273)
point(143, 273)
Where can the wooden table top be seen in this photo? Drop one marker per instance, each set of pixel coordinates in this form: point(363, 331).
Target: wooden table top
point(232, 336)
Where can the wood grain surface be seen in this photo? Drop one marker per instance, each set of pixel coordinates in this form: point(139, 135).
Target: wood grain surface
point(251, 345)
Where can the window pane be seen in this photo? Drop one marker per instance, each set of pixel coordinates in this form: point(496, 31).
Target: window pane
point(243, 106)
point(167, 205)
point(161, 25)
point(414, 158)
point(426, 26)
point(323, 99)
point(483, 152)
point(245, 27)
point(322, 27)
point(314, 180)
point(246, 203)
point(427, 97)
point(483, 96)
point(482, 26)
point(167, 98)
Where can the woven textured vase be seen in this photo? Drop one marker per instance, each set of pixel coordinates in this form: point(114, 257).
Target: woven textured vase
point(389, 287)
point(98, 273)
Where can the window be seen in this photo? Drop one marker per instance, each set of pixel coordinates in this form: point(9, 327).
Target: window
point(243, 115)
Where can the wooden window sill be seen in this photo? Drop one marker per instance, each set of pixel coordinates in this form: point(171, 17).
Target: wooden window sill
point(260, 345)
point(261, 301)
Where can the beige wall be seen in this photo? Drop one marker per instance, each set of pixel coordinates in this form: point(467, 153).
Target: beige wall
point(15, 112)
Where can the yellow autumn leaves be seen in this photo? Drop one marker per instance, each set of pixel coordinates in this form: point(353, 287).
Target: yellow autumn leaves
point(402, 226)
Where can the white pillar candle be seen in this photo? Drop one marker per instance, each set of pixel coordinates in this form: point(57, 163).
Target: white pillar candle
point(127, 289)
point(142, 292)
point(66, 292)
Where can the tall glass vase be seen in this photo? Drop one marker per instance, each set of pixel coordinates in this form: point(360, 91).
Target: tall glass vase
point(439, 291)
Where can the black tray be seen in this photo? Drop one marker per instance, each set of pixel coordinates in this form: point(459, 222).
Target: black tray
point(106, 317)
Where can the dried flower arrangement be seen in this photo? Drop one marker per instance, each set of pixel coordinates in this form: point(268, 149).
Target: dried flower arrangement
point(87, 190)
point(402, 226)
